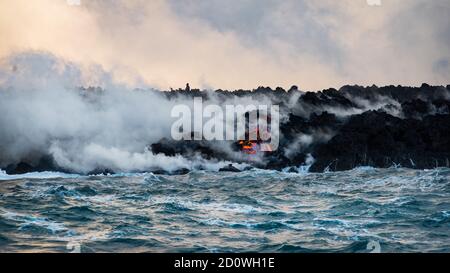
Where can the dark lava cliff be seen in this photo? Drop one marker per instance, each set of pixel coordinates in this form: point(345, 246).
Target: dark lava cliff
point(330, 130)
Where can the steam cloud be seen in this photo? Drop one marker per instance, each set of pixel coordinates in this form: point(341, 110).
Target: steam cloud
point(43, 111)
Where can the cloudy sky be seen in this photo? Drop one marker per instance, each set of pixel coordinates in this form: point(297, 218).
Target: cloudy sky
point(233, 44)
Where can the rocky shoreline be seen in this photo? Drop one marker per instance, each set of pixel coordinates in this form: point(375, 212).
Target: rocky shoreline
point(330, 130)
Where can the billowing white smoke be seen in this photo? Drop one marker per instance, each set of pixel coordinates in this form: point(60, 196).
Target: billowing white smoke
point(43, 111)
point(303, 141)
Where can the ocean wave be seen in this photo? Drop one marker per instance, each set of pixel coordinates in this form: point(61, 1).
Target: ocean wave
point(255, 210)
point(54, 175)
point(36, 175)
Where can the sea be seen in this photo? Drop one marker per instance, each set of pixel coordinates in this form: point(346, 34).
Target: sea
point(362, 210)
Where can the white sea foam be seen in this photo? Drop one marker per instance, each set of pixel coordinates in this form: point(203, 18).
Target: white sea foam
point(36, 175)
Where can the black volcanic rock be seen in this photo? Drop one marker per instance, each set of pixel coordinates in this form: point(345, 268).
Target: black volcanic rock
point(181, 171)
point(176, 172)
point(188, 148)
point(229, 168)
point(415, 108)
point(341, 129)
point(380, 140)
point(380, 127)
point(324, 119)
point(101, 172)
point(45, 163)
point(20, 168)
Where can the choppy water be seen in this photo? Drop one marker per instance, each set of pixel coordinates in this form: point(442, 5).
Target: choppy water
point(266, 211)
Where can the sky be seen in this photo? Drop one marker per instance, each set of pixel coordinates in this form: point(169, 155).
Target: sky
point(236, 44)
